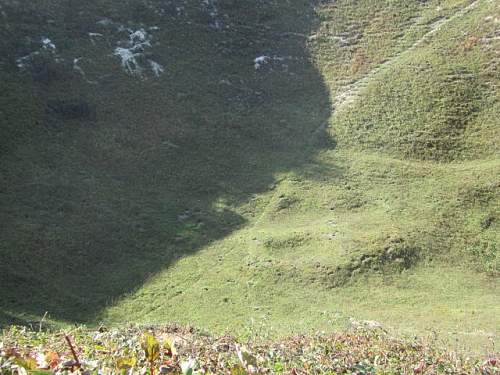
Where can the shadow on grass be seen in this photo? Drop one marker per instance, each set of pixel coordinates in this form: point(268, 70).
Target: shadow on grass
point(93, 207)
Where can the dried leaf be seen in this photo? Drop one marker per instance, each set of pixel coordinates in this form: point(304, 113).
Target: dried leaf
point(246, 358)
point(52, 359)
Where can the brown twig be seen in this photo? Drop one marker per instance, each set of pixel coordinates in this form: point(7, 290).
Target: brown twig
point(77, 361)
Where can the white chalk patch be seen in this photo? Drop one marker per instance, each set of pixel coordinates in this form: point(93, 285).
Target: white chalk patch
point(105, 22)
point(47, 44)
point(23, 62)
point(157, 69)
point(132, 52)
point(128, 60)
point(260, 61)
point(95, 35)
point(77, 67)
point(138, 37)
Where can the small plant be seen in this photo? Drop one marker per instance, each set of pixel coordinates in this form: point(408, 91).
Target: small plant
point(151, 349)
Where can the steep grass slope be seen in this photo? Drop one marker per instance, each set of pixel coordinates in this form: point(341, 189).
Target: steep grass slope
point(442, 92)
point(293, 165)
point(436, 103)
point(110, 173)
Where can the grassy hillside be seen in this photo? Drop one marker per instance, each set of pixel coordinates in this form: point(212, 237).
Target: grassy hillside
point(96, 202)
point(443, 91)
point(283, 165)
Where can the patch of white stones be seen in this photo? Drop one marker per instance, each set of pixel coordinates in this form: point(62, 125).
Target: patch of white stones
point(260, 61)
point(264, 60)
point(47, 46)
point(156, 68)
point(93, 37)
point(133, 50)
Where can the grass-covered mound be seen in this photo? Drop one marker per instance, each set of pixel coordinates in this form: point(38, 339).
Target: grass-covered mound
point(178, 350)
point(435, 100)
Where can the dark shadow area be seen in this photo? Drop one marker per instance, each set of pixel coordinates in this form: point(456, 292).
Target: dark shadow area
point(106, 178)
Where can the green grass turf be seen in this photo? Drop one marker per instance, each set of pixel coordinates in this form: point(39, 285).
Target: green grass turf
point(221, 195)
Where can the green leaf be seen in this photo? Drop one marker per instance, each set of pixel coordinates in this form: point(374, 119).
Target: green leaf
point(238, 370)
point(125, 363)
point(28, 363)
point(151, 347)
point(168, 348)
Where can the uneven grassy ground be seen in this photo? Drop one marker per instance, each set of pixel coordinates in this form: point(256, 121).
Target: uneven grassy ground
point(354, 174)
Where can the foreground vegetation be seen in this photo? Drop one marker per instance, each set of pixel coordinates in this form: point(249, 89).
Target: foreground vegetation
point(176, 350)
